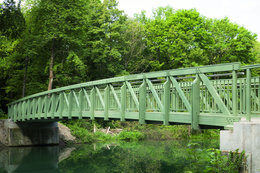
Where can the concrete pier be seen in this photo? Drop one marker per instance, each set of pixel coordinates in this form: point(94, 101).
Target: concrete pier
point(245, 136)
point(29, 133)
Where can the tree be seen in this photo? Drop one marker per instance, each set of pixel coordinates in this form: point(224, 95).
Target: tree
point(134, 59)
point(229, 42)
point(12, 21)
point(12, 26)
point(58, 27)
point(105, 41)
point(184, 38)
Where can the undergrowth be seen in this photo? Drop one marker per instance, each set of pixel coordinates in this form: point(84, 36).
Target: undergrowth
point(132, 131)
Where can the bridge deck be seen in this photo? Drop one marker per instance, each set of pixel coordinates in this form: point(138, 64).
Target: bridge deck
point(190, 95)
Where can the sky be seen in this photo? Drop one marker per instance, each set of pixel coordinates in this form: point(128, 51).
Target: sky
point(242, 12)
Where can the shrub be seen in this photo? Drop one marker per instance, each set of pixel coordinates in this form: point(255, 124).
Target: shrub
point(102, 137)
point(131, 136)
point(82, 134)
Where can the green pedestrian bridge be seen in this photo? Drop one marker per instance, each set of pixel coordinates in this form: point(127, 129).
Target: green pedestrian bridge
point(214, 95)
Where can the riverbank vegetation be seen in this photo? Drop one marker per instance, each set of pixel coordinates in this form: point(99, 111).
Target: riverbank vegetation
point(87, 131)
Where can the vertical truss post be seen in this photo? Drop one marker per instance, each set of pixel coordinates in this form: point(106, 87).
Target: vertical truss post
point(248, 94)
point(166, 97)
point(142, 102)
point(61, 104)
point(106, 102)
point(54, 104)
point(23, 110)
point(9, 112)
point(195, 104)
point(81, 103)
point(92, 100)
point(39, 108)
point(123, 101)
point(234, 93)
point(14, 112)
point(34, 109)
point(28, 109)
point(70, 106)
point(46, 106)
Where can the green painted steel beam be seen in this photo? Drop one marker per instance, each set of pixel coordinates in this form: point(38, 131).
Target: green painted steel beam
point(142, 102)
point(175, 72)
point(106, 104)
point(129, 86)
point(195, 103)
point(250, 66)
point(155, 94)
point(234, 93)
point(166, 97)
point(123, 102)
point(248, 94)
point(214, 94)
point(152, 100)
point(181, 94)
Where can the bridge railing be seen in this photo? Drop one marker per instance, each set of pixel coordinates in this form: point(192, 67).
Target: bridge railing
point(189, 95)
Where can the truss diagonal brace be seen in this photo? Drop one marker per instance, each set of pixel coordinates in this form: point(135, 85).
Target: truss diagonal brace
point(214, 94)
point(181, 93)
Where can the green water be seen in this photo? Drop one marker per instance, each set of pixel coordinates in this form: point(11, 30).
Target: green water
point(148, 156)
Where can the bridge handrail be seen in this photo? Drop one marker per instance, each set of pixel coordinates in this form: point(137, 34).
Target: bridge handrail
point(250, 66)
point(172, 72)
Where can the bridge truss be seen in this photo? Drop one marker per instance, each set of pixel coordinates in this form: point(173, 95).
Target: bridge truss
point(215, 95)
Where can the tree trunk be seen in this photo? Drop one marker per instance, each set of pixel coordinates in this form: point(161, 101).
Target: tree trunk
point(25, 76)
point(51, 65)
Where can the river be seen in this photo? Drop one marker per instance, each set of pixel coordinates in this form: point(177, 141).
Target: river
point(129, 157)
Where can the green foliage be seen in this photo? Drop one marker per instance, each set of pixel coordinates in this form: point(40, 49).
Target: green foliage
point(184, 38)
point(232, 162)
point(12, 21)
point(206, 134)
point(102, 137)
point(131, 136)
point(133, 131)
point(82, 135)
point(2, 114)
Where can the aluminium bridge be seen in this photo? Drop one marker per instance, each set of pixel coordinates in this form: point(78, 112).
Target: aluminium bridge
point(214, 95)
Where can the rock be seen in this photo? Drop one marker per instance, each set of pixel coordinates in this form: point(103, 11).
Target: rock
point(65, 153)
point(65, 134)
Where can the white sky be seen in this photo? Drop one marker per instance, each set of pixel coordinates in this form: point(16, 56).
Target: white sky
point(243, 12)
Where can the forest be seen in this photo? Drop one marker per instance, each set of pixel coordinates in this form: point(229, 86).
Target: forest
point(46, 44)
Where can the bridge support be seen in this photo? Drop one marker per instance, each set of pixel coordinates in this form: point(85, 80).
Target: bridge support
point(29, 133)
point(245, 136)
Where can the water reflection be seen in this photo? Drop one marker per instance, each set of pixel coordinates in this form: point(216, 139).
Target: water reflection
point(149, 156)
point(28, 159)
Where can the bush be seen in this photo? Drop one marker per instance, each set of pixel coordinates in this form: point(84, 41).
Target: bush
point(102, 137)
point(82, 134)
point(232, 162)
point(3, 115)
point(131, 136)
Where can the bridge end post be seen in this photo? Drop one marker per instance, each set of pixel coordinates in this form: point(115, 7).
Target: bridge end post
point(248, 94)
point(195, 107)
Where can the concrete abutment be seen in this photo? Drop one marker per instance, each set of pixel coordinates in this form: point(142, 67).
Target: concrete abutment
point(28, 133)
point(245, 136)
